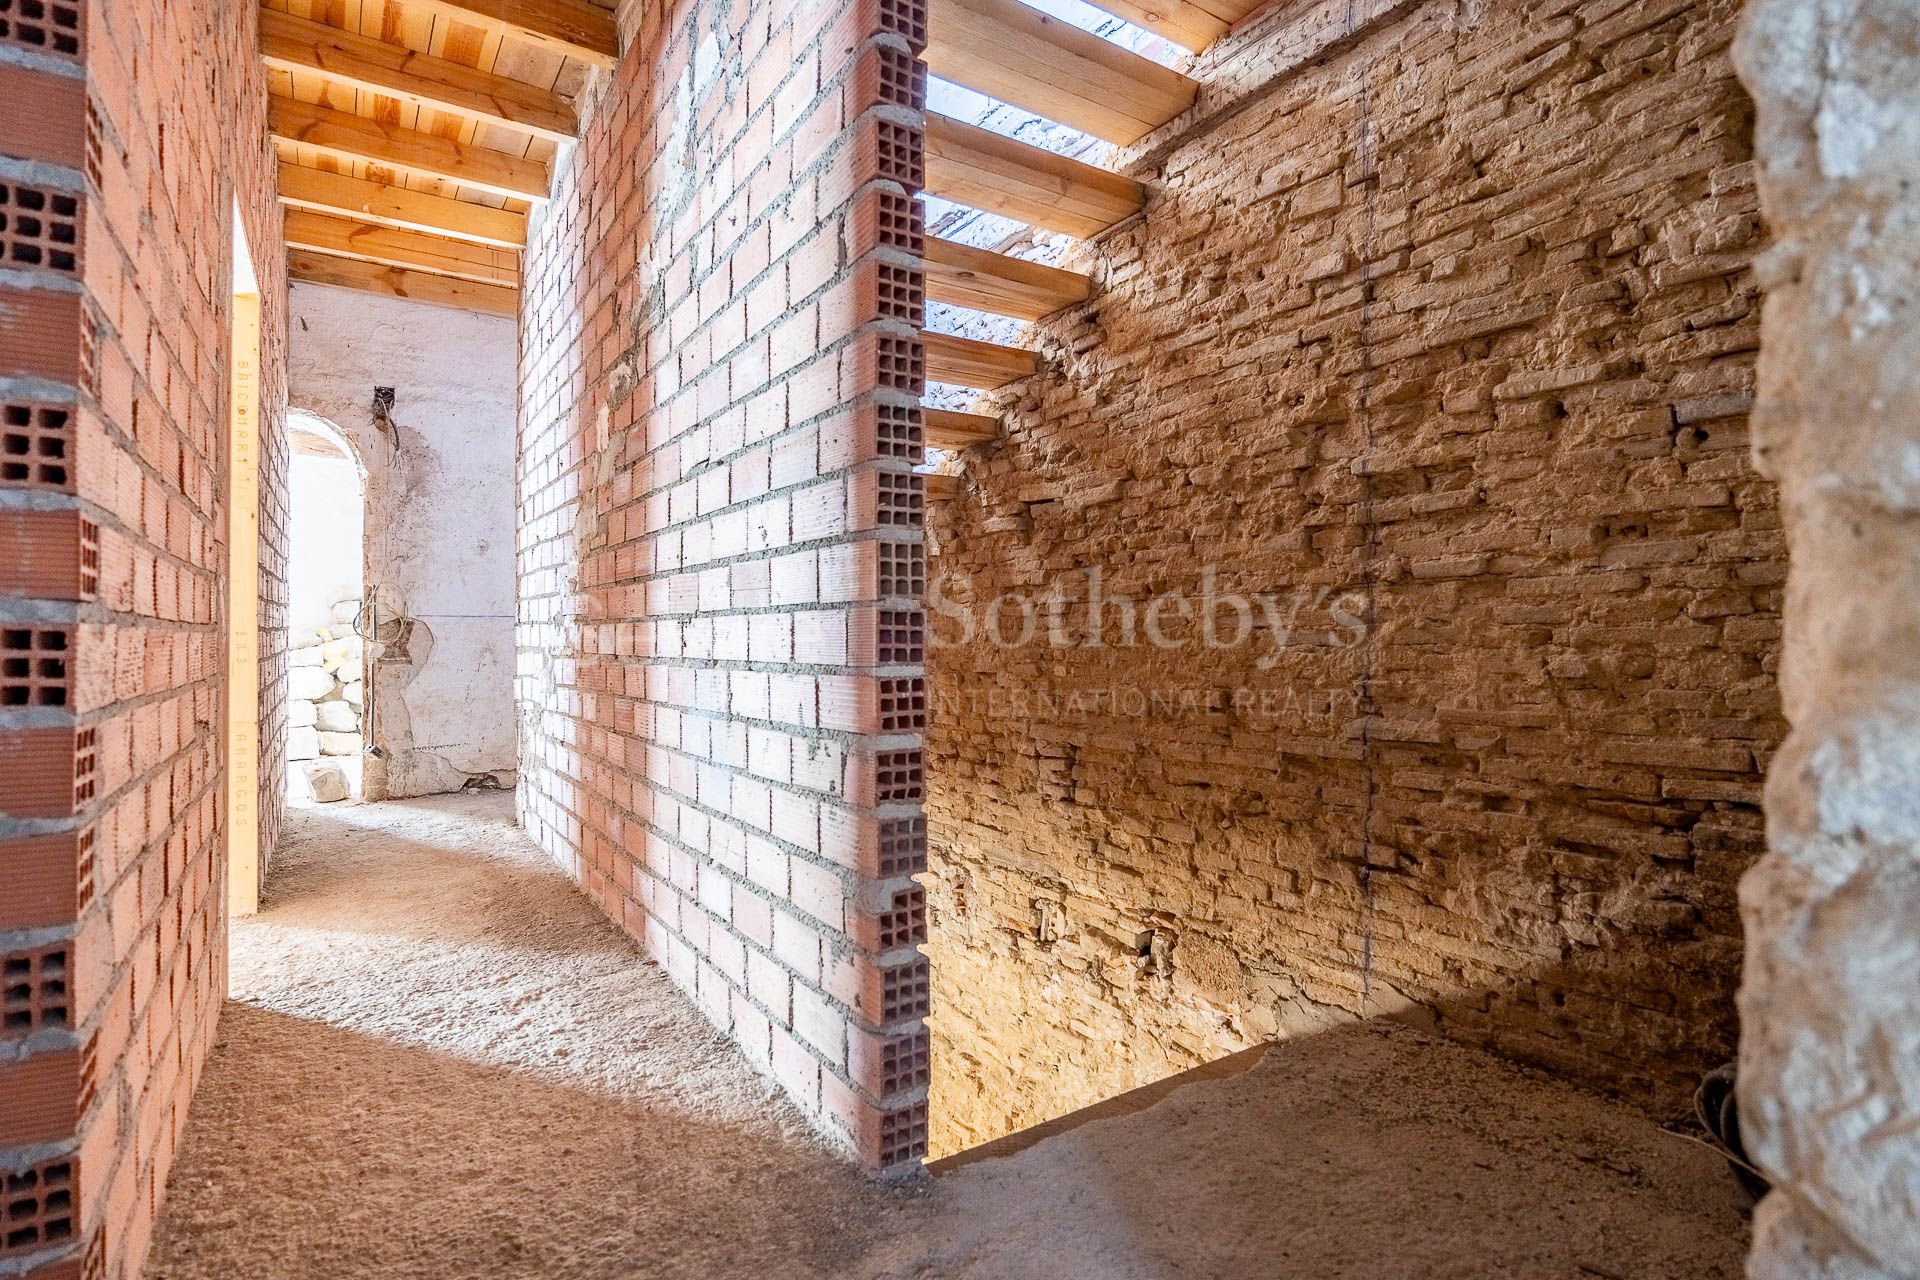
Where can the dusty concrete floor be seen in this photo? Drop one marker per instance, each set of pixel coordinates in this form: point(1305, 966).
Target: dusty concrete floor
point(440, 1061)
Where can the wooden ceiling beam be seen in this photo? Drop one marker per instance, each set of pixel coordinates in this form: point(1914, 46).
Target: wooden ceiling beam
point(1006, 286)
point(348, 58)
point(1003, 175)
point(968, 362)
point(346, 136)
point(572, 28)
point(1016, 53)
point(397, 282)
point(357, 198)
point(952, 429)
point(942, 487)
point(396, 248)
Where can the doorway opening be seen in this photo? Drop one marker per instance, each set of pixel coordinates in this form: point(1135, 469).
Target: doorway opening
point(327, 692)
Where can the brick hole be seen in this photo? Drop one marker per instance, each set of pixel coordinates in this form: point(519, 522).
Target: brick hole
point(903, 704)
point(94, 150)
point(89, 357)
point(901, 154)
point(902, 637)
point(904, 922)
point(902, 364)
point(903, 569)
point(37, 1208)
point(36, 446)
point(903, 846)
point(33, 667)
point(903, 223)
point(901, 432)
point(89, 1074)
point(902, 501)
point(906, 1062)
point(906, 19)
point(902, 294)
point(83, 870)
point(903, 1135)
point(898, 777)
point(903, 79)
point(51, 26)
point(39, 227)
point(89, 559)
point(906, 992)
point(33, 990)
point(86, 757)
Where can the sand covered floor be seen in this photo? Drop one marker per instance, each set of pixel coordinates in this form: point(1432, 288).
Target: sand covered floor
point(441, 1061)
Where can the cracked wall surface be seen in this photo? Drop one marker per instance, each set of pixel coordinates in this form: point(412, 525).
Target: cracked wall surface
point(1401, 351)
point(1830, 1003)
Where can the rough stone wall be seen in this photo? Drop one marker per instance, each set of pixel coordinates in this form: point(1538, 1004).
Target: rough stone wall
point(1435, 344)
point(720, 549)
point(130, 128)
point(439, 532)
point(1829, 1005)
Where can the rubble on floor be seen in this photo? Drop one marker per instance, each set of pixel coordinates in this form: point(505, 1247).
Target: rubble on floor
point(326, 700)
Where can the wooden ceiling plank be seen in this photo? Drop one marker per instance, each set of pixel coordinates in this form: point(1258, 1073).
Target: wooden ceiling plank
point(952, 429)
point(294, 44)
point(1003, 175)
point(986, 281)
point(571, 27)
point(305, 188)
point(424, 154)
point(415, 250)
point(942, 487)
point(968, 362)
point(1016, 53)
point(397, 282)
point(1190, 25)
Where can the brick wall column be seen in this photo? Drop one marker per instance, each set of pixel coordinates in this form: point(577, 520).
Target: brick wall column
point(720, 559)
point(129, 130)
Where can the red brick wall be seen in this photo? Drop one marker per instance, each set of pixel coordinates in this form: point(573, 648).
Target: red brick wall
point(1439, 326)
point(720, 542)
point(129, 130)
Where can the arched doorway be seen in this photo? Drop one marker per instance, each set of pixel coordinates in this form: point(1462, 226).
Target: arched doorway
point(326, 583)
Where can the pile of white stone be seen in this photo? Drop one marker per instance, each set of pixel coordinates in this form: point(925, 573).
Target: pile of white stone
point(326, 697)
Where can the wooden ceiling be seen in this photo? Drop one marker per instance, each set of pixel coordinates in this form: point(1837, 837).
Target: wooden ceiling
point(415, 135)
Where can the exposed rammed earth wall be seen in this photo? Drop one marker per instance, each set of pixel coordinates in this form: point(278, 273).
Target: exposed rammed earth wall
point(1438, 333)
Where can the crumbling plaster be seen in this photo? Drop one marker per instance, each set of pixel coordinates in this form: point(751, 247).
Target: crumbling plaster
point(1830, 1004)
point(439, 520)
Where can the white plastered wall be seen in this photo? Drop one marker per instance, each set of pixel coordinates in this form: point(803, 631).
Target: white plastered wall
point(439, 518)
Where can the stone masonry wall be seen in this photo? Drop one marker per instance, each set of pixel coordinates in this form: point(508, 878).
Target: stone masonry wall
point(1435, 343)
point(130, 128)
point(720, 681)
point(1830, 1022)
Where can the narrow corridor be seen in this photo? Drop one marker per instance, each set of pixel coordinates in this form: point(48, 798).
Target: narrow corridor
point(440, 1061)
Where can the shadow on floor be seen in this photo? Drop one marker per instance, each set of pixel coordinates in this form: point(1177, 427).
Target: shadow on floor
point(441, 1061)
